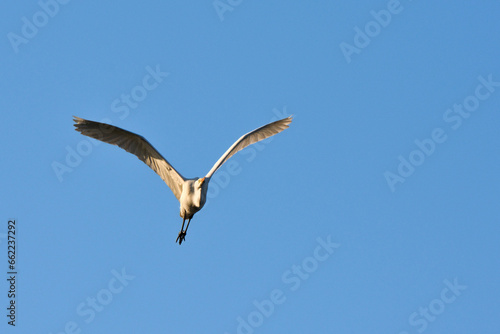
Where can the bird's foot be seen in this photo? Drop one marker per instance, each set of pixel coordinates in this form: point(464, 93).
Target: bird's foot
point(181, 237)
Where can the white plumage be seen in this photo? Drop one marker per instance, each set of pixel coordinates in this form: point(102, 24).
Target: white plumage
point(191, 193)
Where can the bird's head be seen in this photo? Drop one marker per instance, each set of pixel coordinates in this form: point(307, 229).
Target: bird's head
point(200, 191)
point(199, 182)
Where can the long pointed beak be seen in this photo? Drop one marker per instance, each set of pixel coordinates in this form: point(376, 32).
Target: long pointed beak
point(202, 180)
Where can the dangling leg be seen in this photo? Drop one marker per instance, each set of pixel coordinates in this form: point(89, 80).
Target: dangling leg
point(182, 234)
point(185, 232)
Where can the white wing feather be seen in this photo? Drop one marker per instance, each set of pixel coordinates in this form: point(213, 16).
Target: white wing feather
point(250, 138)
point(136, 145)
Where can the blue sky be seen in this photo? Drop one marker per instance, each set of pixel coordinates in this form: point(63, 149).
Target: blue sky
point(375, 212)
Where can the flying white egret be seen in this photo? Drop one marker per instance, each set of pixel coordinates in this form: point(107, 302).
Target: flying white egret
point(191, 193)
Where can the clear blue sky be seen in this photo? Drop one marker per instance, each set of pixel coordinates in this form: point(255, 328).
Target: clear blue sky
point(375, 212)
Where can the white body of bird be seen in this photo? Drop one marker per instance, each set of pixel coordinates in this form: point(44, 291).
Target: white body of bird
point(193, 197)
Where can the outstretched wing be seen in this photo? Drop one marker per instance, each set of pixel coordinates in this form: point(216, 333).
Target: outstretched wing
point(250, 138)
point(134, 144)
